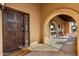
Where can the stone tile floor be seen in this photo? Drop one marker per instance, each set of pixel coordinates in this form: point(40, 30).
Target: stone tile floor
point(54, 47)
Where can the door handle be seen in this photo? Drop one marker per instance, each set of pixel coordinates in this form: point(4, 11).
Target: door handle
point(22, 28)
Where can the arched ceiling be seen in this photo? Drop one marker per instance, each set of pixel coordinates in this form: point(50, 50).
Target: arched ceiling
point(66, 18)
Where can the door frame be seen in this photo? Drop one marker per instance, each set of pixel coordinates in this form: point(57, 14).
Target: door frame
point(24, 13)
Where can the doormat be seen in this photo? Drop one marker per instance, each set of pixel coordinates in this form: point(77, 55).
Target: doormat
point(20, 52)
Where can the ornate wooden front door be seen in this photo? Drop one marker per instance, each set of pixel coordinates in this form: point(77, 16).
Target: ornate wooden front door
point(13, 25)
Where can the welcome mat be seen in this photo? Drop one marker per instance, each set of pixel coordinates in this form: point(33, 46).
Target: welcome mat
point(20, 52)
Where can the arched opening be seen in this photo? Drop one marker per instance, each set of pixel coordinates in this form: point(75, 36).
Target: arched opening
point(58, 23)
point(53, 28)
point(63, 35)
point(69, 16)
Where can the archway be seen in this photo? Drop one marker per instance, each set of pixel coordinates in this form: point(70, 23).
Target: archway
point(69, 12)
point(53, 28)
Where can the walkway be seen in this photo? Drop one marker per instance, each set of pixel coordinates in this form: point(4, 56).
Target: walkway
point(55, 47)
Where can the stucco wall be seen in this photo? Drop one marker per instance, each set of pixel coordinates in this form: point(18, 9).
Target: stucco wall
point(1, 42)
point(65, 24)
point(67, 27)
point(47, 10)
point(38, 13)
point(58, 21)
point(34, 11)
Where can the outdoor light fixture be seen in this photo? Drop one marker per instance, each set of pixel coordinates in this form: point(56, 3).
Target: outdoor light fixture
point(52, 26)
point(2, 4)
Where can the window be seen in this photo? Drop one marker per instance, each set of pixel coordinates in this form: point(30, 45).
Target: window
point(73, 26)
point(53, 29)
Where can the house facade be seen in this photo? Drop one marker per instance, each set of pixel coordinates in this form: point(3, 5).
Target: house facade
point(40, 15)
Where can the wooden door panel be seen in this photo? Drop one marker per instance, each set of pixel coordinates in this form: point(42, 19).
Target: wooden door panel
point(19, 29)
point(13, 34)
point(10, 43)
point(15, 30)
point(20, 38)
point(10, 40)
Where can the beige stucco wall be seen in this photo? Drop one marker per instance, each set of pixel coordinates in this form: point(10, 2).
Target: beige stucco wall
point(47, 8)
point(58, 21)
point(1, 42)
point(34, 11)
point(65, 25)
point(38, 14)
point(48, 11)
point(67, 28)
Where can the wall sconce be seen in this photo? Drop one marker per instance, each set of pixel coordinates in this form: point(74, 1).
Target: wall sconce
point(2, 4)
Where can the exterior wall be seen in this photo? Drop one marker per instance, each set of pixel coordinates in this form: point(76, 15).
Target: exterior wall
point(58, 22)
point(34, 11)
point(38, 13)
point(47, 11)
point(47, 8)
point(67, 27)
point(1, 42)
